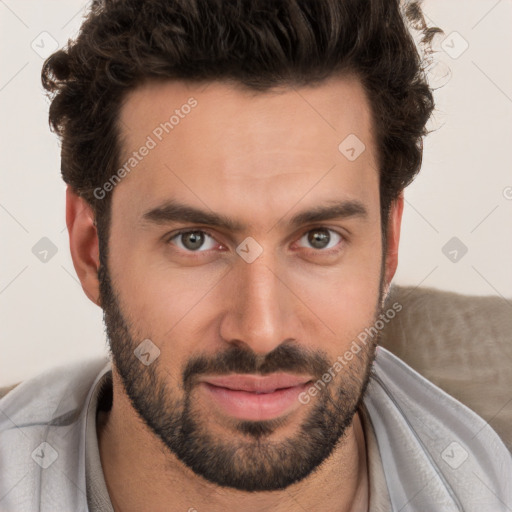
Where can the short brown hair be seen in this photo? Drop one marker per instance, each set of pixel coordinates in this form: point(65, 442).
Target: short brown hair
point(256, 43)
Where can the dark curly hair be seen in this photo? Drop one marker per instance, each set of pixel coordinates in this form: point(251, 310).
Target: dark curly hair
point(258, 44)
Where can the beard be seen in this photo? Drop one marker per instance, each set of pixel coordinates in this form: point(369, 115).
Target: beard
point(248, 459)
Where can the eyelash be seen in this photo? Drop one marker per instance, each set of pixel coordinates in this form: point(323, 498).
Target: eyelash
point(331, 251)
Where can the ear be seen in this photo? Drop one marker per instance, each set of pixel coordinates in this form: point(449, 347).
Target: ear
point(393, 238)
point(83, 243)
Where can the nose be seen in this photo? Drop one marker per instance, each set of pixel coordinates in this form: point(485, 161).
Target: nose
point(260, 314)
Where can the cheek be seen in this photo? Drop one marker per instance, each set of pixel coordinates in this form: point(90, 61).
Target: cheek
point(338, 310)
point(159, 299)
point(340, 301)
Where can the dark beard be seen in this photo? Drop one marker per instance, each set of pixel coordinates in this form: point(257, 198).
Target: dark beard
point(250, 461)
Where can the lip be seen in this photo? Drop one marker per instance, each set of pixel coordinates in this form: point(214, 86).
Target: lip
point(255, 397)
point(257, 383)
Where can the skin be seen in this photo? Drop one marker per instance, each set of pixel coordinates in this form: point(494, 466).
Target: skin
point(258, 159)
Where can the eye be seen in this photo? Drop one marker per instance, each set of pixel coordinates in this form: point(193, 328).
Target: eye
point(321, 238)
point(193, 241)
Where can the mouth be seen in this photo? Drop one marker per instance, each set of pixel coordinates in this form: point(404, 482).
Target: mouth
point(255, 397)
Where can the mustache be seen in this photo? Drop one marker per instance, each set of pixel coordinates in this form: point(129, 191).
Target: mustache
point(284, 358)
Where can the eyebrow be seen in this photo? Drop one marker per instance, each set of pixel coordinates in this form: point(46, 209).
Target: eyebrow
point(174, 211)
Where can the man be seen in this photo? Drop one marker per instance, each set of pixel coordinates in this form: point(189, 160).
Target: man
point(235, 178)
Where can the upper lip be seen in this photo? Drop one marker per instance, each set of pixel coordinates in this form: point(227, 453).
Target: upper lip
point(257, 383)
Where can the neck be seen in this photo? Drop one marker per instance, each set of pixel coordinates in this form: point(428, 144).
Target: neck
point(141, 474)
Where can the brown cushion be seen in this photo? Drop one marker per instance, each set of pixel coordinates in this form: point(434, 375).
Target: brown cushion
point(6, 389)
point(461, 343)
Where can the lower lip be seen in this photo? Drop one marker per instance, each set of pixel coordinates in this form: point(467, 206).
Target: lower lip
point(245, 405)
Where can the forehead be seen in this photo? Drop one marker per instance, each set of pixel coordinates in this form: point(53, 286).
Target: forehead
point(217, 141)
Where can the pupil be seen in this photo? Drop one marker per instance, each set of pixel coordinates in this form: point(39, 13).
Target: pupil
point(319, 238)
point(193, 239)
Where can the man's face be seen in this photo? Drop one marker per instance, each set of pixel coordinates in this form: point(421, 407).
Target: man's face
point(271, 293)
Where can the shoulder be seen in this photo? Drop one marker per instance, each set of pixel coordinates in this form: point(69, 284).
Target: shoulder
point(432, 446)
point(461, 343)
point(42, 424)
point(38, 398)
